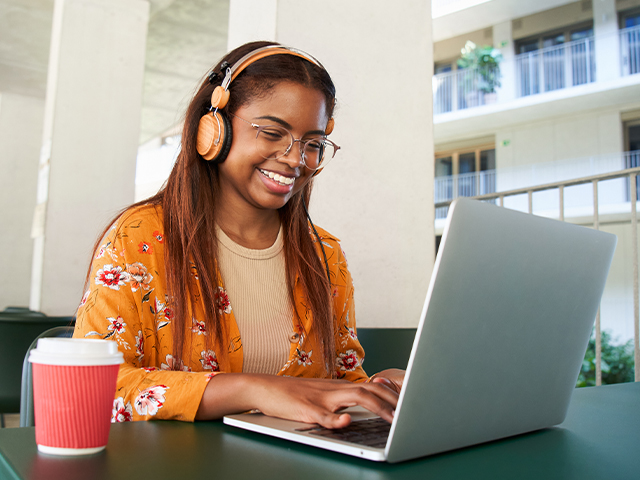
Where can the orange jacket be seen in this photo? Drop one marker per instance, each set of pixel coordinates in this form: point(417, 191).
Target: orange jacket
point(127, 302)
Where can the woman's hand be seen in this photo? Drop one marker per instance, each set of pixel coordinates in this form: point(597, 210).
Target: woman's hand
point(300, 399)
point(391, 377)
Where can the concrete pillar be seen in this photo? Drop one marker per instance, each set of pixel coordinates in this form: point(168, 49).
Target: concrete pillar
point(90, 140)
point(20, 136)
point(503, 41)
point(251, 20)
point(377, 197)
point(607, 44)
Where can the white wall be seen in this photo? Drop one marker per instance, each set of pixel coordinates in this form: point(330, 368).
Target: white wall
point(20, 136)
point(567, 147)
point(563, 138)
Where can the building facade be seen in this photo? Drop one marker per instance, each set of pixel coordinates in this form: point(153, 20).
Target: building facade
point(562, 103)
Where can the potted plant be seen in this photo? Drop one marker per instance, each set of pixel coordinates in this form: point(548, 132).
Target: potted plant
point(483, 72)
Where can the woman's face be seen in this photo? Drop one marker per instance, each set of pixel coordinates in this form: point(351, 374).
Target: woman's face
point(245, 176)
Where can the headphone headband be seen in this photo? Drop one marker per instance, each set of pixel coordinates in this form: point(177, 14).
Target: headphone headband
point(263, 52)
point(220, 95)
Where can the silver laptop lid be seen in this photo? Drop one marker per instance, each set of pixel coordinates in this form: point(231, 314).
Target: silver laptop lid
point(508, 315)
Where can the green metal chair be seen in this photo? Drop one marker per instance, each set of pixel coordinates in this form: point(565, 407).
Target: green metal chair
point(17, 331)
point(26, 393)
point(386, 347)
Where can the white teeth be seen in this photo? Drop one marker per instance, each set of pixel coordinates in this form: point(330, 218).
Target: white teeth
point(278, 178)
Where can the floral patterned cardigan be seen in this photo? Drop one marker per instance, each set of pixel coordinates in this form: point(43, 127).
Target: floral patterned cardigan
point(127, 302)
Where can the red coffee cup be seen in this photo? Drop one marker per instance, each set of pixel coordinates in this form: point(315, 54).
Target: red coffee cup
point(74, 383)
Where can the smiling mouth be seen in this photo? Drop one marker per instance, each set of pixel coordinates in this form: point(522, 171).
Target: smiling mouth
point(276, 177)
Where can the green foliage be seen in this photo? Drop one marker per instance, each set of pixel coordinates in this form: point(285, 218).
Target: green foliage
point(617, 363)
point(486, 61)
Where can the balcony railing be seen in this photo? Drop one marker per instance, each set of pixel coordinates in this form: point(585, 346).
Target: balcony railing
point(631, 175)
point(464, 185)
point(632, 160)
point(484, 182)
point(552, 68)
point(630, 50)
point(556, 67)
point(460, 89)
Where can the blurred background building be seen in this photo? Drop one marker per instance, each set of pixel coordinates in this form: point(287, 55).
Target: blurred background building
point(541, 92)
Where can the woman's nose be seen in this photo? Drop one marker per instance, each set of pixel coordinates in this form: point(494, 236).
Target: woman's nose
point(294, 156)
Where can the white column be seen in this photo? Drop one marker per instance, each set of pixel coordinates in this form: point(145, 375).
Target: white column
point(607, 42)
point(90, 140)
point(503, 41)
point(251, 20)
point(378, 196)
point(20, 136)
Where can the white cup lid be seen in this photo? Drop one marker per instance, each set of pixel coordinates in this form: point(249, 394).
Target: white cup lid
point(76, 351)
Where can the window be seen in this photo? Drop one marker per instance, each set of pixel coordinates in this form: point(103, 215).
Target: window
point(553, 39)
point(556, 60)
point(474, 170)
point(464, 173)
point(443, 67)
point(630, 19)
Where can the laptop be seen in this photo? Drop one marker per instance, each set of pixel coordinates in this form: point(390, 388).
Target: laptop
point(500, 340)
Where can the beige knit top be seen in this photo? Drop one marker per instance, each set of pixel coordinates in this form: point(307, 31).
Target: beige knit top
point(256, 283)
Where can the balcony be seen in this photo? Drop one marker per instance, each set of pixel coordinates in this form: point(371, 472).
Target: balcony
point(614, 195)
point(459, 90)
point(465, 185)
point(557, 67)
point(550, 69)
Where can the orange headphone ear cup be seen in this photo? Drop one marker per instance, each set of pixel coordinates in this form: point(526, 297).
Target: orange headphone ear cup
point(214, 137)
point(330, 124)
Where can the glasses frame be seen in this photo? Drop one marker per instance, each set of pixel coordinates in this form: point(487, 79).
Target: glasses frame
point(303, 144)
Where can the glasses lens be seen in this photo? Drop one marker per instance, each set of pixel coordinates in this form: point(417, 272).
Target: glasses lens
point(318, 152)
point(273, 142)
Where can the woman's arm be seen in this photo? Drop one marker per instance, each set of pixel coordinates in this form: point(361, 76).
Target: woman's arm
point(300, 399)
point(126, 303)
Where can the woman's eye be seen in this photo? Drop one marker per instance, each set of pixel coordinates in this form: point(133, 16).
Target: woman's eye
point(314, 144)
point(272, 135)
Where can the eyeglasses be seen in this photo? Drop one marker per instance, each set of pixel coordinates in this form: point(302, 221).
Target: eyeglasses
point(273, 141)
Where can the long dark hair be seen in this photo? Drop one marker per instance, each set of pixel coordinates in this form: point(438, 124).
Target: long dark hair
point(190, 196)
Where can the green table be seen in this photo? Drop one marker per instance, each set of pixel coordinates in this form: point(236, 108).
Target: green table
point(600, 439)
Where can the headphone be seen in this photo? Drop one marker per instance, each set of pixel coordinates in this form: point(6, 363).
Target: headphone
point(214, 130)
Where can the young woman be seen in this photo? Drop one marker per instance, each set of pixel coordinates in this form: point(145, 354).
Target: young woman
point(220, 292)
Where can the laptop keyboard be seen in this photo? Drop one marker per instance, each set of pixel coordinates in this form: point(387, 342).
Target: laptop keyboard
point(372, 432)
